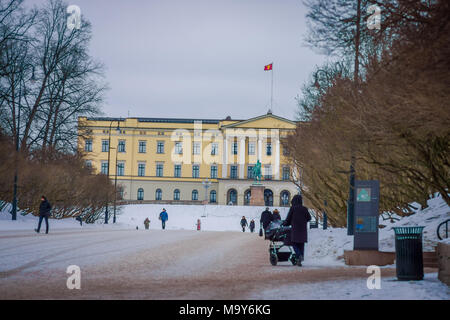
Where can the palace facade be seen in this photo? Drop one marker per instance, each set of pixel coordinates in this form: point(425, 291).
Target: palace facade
point(190, 161)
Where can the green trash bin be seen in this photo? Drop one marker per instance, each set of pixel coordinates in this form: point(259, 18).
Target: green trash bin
point(408, 253)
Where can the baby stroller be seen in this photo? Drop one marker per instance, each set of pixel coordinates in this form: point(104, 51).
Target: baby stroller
point(280, 237)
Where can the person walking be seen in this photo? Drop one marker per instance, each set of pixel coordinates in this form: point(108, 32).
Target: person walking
point(276, 215)
point(44, 212)
point(252, 226)
point(243, 223)
point(147, 223)
point(298, 217)
point(266, 219)
point(163, 216)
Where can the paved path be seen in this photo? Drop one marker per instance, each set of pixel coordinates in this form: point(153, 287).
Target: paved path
point(149, 264)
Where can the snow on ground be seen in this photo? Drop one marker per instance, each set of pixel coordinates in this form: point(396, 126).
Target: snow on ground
point(430, 288)
point(325, 247)
point(430, 217)
point(322, 253)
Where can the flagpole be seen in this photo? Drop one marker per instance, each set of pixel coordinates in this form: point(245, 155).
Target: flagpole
point(271, 92)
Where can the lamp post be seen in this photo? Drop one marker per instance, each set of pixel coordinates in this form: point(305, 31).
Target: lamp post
point(109, 157)
point(206, 184)
point(325, 217)
point(351, 192)
point(115, 182)
point(16, 169)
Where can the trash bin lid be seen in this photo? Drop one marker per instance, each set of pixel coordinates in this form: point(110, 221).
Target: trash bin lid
point(408, 230)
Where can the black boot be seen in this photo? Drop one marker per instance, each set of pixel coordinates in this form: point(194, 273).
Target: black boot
point(37, 231)
point(299, 261)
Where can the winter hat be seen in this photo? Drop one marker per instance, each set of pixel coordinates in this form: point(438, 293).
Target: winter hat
point(297, 200)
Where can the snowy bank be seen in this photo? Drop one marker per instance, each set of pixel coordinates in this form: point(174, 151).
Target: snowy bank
point(325, 247)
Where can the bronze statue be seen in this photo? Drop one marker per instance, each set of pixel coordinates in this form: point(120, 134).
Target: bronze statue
point(257, 171)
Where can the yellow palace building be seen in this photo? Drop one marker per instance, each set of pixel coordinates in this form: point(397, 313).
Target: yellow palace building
point(190, 161)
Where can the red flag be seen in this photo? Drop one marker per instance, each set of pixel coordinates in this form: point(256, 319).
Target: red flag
point(268, 67)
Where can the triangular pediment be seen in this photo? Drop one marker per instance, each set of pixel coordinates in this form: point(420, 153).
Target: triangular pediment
point(267, 121)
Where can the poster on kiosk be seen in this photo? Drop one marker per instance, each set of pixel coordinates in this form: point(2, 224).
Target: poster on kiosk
point(367, 195)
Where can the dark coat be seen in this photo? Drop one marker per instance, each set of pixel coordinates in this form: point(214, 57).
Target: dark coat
point(298, 217)
point(276, 216)
point(44, 208)
point(252, 224)
point(266, 218)
point(244, 222)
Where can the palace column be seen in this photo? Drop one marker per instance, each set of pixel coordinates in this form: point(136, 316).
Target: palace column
point(277, 158)
point(241, 157)
point(225, 158)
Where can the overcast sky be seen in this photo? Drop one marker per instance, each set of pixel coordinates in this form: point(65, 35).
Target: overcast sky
point(200, 58)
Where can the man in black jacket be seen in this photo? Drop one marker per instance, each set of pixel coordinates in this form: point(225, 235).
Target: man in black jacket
point(44, 213)
point(298, 218)
point(266, 218)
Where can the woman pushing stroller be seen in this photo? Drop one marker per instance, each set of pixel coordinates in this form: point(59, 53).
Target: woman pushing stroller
point(298, 217)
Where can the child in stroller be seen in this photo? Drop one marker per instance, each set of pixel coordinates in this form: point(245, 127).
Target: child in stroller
point(280, 237)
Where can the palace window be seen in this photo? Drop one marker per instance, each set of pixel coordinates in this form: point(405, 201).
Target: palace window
point(159, 169)
point(160, 147)
point(250, 172)
point(178, 148)
point(158, 194)
point(196, 148)
point(121, 146)
point(88, 145)
point(284, 198)
point(176, 194)
point(214, 149)
point(140, 194)
point(194, 195)
point(251, 148)
point(142, 146)
point(269, 149)
point(104, 168)
point(233, 172)
point(141, 169)
point(177, 171)
point(267, 172)
point(213, 172)
point(286, 173)
point(213, 196)
point(120, 168)
point(195, 171)
point(105, 145)
point(234, 148)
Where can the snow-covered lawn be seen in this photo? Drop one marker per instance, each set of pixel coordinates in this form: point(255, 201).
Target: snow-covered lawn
point(430, 288)
point(324, 246)
point(186, 252)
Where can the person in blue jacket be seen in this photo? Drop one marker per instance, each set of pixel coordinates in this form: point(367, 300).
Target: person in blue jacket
point(163, 217)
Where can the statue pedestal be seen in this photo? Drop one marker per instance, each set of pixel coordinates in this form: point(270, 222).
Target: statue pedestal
point(257, 195)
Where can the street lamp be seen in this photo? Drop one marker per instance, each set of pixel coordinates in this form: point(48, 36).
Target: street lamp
point(351, 192)
point(206, 184)
point(16, 169)
point(115, 181)
point(109, 157)
point(325, 217)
